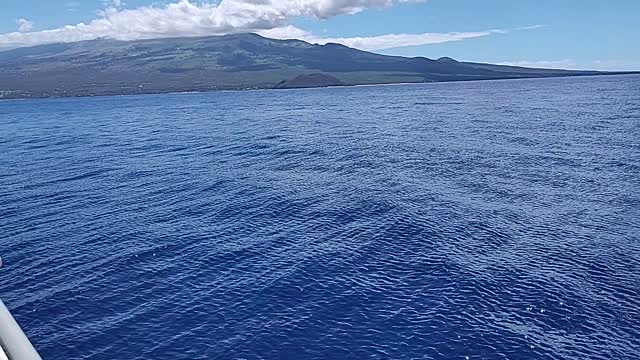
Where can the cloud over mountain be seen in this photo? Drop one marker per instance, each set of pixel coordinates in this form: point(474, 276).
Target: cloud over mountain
point(185, 18)
point(24, 25)
point(380, 42)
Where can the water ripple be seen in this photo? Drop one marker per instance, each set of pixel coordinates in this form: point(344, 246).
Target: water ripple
point(488, 220)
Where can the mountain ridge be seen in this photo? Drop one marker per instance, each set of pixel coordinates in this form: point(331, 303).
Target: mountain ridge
point(228, 62)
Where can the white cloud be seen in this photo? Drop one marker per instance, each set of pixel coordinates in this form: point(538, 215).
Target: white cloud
point(401, 40)
point(570, 64)
point(24, 25)
point(185, 18)
point(616, 65)
point(531, 27)
point(375, 42)
point(269, 18)
point(567, 64)
point(72, 6)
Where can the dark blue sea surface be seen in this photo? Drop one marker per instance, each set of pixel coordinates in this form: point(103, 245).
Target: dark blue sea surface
point(479, 220)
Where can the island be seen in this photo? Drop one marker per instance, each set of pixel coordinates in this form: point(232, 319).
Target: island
point(229, 62)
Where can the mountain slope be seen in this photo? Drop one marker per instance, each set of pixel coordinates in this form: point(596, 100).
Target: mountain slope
point(109, 67)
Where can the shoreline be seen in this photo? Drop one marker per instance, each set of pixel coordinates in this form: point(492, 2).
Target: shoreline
point(625, 73)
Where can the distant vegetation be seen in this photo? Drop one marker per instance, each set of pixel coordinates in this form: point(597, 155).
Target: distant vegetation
point(310, 80)
point(244, 61)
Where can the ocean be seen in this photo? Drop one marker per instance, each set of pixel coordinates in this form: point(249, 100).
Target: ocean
point(471, 220)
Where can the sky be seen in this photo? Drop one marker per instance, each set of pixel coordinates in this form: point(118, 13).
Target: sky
point(571, 34)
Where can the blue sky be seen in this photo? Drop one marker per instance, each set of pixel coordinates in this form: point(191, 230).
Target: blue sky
point(585, 34)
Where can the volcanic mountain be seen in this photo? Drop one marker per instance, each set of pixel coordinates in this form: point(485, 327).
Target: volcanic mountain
point(241, 61)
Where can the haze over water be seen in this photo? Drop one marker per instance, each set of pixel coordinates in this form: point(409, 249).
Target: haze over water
point(488, 220)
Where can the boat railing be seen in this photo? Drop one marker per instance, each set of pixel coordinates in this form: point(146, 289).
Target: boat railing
point(14, 344)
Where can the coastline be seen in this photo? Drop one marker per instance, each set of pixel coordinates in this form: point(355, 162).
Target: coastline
point(623, 73)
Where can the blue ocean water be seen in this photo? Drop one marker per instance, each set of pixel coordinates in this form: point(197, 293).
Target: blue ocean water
point(480, 220)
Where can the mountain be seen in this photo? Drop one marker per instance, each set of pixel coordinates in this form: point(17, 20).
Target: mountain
point(242, 61)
